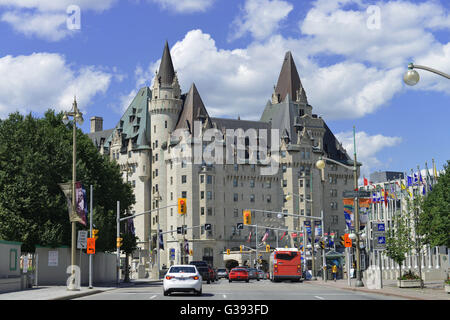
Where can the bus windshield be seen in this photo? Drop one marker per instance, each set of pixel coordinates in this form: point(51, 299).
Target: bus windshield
point(286, 255)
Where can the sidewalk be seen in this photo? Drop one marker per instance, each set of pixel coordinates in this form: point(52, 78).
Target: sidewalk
point(61, 292)
point(433, 290)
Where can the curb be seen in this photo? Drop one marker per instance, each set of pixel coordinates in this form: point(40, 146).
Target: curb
point(371, 291)
point(96, 291)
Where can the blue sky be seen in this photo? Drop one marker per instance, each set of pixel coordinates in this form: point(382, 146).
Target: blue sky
point(350, 54)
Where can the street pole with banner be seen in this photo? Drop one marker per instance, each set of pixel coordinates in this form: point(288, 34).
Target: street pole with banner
point(90, 229)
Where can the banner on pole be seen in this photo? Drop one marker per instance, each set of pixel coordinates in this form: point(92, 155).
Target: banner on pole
point(364, 210)
point(74, 216)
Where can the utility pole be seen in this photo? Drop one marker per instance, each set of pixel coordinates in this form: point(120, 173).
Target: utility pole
point(90, 228)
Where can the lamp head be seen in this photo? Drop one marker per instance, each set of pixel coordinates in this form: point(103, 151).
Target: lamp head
point(65, 119)
point(411, 76)
point(320, 164)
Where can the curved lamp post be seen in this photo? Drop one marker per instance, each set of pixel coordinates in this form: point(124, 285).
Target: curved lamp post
point(411, 76)
point(77, 118)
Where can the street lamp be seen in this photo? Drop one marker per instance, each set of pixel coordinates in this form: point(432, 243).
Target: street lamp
point(320, 164)
point(411, 76)
point(77, 117)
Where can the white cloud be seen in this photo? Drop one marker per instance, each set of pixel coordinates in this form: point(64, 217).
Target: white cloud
point(261, 18)
point(46, 19)
point(185, 6)
point(367, 149)
point(45, 80)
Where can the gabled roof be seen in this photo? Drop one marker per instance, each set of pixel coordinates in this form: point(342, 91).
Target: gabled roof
point(135, 122)
point(166, 72)
point(193, 110)
point(282, 117)
point(289, 81)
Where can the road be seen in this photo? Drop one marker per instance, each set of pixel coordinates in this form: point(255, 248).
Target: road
point(254, 290)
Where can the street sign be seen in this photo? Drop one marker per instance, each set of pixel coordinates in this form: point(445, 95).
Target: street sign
point(207, 226)
point(172, 254)
point(379, 240)
point(354, 194)
point(90, 246)
point(240, 226)
point(347, 241)
point(81, 241)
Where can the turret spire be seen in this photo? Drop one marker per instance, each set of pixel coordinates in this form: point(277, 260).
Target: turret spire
point(166, 72)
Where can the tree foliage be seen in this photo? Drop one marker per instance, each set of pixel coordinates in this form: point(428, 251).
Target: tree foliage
point(435, 213)
point(36, 155)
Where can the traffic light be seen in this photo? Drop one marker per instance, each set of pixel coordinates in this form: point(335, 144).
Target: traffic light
point(94, 234)
point(191, 252)
point(247, 217)
point(322, 244)
point(119, 242)
point(342, 241)
point(267, 248)
point(182, 205)
point(228, 251)
point(241, 248)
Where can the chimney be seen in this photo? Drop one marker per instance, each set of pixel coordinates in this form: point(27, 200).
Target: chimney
point(96, 124)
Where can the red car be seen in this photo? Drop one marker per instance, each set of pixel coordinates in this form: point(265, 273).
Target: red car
point(239, 274)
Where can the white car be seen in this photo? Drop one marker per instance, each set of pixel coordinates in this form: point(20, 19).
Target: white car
point(182, 278)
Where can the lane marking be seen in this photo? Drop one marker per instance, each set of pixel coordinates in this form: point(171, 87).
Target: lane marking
point(320, 298)
point(153, 297)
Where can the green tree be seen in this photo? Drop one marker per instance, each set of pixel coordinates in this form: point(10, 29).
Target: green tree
point(398, 240)
point(36, 155)
point(435, 214)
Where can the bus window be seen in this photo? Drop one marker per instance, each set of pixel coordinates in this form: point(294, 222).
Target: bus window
point(286, 256)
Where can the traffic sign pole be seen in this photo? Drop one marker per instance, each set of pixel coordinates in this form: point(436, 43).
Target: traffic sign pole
point(90, 227)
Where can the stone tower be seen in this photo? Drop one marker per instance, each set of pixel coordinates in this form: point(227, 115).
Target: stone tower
point(164, 106)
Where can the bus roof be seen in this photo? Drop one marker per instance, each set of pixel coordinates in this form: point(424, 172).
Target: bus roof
point(286, 249)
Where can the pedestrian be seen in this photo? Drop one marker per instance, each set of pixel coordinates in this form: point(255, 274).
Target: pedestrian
point(334, 271)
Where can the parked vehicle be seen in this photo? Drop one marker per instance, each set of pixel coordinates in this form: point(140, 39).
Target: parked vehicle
point(253, 273)
point(285, 264)
point(261, 274)
point(203, 269)
point(238, 274)
point(182, 278)
point(222, 273)
point(212, 273)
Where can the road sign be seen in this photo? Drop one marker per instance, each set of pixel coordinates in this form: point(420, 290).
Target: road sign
point(172, 254)
point(82, 242)
point(354, 194)
point(240, 226)
point(207, 226)
point(379, 240)
point(90, 246)
point(347, 241)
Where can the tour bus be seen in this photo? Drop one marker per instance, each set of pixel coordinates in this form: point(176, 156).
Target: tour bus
point(285, 264)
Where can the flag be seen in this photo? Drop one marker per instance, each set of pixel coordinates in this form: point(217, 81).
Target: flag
point(283, 235)
point(409, 183)
point(161, 241)
point(249, 236)
point(131, 227)
point(385, 198)
point(365, 182)
point(266, 235)
point(434, 172)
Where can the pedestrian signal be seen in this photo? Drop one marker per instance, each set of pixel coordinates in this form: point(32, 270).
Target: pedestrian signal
point(90, 248)
point(182, 205)
point(247, 217)
point(267, 248)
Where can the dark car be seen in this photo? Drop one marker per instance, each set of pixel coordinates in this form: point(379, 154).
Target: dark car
point(253, 273)
point(204, 270)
